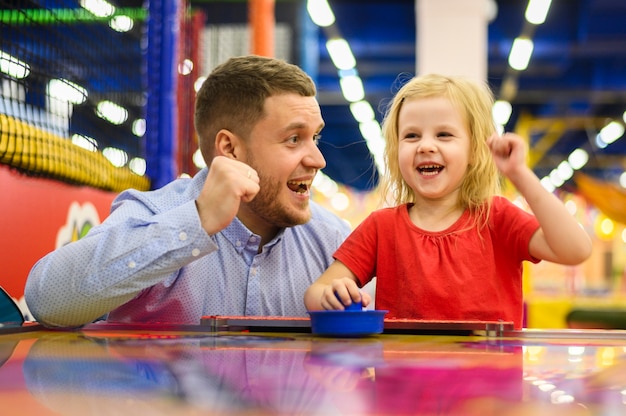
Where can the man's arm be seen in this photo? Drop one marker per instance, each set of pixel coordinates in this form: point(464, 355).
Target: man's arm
point(129, 252)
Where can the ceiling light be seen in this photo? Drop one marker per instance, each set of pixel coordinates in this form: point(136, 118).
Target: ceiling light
point(198, 83)
point(370, 130)
point(362, 111)
point(537, 11)
point(547, 184)
point(139, 127)
point(111, 112)
point(501, 112)
point(578, 158)
point(565, 170)
point(85, 142)
point(98, 8)
point(556, 179)
point(198, 160)
point(607, 226)
point(340, 201)
point(320, 12)
point(521, 51)
point(185, 67)
point(325, 185)
point(13, 67)
point(121, 23)
point(117, 157)
point(352, 88)
point(611, 132)
point(137, 165)
point(66, 91)
point(599, 142)
point(492, 10)
point(340, 53)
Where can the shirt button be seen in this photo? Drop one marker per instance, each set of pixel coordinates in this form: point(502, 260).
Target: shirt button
point(182, 236)
point(238, 243)
point(195, 252)
point(131, 264)
point(253, 239)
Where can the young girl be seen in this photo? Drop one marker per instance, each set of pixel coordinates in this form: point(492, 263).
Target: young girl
point(451, 249)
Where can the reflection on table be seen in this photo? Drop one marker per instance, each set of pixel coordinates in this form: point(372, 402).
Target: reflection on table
point(103, 372)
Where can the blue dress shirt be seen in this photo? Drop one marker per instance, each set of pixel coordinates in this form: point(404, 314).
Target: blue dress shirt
point(151, 261)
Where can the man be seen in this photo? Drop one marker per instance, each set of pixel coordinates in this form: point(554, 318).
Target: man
point(240, 238)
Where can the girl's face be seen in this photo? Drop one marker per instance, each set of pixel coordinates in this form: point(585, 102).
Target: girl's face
point(433, 148)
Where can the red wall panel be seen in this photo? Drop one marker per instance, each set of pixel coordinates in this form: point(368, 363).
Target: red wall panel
point(38, 214)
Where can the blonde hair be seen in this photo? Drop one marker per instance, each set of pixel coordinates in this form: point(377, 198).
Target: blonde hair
point(474, 101)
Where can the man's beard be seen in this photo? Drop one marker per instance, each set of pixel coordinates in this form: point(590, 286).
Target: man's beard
point(267, 205)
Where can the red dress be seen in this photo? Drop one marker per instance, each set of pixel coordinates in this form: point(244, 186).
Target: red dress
point(455, 274)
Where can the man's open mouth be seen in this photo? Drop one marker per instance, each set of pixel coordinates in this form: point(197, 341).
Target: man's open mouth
point(299, 187)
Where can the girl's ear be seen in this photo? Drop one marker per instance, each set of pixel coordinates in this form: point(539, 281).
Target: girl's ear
point(227, 144)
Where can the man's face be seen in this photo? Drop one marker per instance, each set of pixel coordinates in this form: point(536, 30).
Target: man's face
point(283, 149)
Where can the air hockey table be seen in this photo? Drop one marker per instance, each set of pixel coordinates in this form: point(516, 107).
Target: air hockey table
point(243, 366)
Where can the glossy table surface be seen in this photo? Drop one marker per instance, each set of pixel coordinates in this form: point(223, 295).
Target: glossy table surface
point(113, 370)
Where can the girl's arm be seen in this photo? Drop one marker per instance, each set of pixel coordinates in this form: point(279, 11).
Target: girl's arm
point(560, 238)
point(336, 282)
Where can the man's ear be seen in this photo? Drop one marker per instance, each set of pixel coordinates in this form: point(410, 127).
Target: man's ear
point(227, 144)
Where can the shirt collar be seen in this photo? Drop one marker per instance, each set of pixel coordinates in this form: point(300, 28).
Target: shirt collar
point(240, 236)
